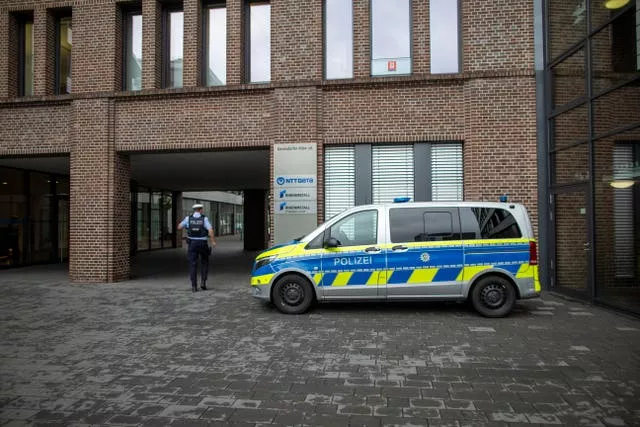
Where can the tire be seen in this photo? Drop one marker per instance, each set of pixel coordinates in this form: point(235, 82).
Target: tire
point(292, 294)
point(493, 296)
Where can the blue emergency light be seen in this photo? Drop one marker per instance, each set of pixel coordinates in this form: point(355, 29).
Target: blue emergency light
point(401, 199)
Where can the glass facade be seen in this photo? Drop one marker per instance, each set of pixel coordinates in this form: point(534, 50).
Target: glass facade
point(226, 218)
point(593, 113)
point(34, 217)
point(153, 224)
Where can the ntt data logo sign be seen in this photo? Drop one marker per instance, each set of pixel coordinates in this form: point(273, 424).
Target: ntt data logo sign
point(296, 181)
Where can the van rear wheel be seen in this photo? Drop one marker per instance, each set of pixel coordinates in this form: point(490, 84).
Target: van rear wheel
point(292, 294)
point(493, 296)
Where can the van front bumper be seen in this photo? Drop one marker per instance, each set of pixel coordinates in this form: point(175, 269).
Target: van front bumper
point(261, 292)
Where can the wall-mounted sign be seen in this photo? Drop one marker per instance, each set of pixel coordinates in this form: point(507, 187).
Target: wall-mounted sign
point(295, 181)
point(297, 207)
point(296, 193)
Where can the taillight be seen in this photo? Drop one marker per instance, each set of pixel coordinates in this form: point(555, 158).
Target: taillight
point(533, 253)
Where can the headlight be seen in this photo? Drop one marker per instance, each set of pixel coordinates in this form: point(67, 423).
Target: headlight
point(264, 261)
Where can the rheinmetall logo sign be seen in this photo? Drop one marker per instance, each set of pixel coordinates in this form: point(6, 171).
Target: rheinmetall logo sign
point(297, 180)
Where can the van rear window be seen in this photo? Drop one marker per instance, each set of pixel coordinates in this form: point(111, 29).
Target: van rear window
point(488, 223)
point(423, 224)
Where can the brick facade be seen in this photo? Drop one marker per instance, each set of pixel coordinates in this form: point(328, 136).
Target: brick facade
point(490, 105)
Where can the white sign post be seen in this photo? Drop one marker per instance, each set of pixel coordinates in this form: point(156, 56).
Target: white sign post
point(295, 191)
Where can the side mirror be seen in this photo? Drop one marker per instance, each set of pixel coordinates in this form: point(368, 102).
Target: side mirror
point(331, 242)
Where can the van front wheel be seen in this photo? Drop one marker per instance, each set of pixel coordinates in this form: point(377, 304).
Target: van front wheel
point(493, 296)
point(292, 294)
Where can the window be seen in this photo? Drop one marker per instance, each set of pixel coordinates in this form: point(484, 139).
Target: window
point(444, 36)
point(423, 225)
point(446, 172)
point(25, 58)
point(360, 228)
point(133, 51)
point(390, 37)
point(63, 55)
point(339, 180)
point(338, 36)
point(392, 172)
point(173, 47)
point(259, 42)
point(215, 45)
point(488, 223)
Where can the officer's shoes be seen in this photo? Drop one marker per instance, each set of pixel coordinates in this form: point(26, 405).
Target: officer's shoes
point(203, 287)
point(194, 289)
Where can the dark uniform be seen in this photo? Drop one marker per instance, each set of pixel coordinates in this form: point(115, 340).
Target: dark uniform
point(198, 227)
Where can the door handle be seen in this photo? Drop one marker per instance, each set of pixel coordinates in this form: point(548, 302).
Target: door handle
point(587, 246)
point(372, 249)
point(399, 248)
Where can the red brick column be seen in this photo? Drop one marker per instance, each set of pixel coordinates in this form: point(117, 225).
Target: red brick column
point(192, 70)
point(361, 39)
point(235, 46)
point(151, 44)
point(420, 50)
point(100, 200)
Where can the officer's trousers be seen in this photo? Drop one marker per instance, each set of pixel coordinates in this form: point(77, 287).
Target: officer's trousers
point(198, 249)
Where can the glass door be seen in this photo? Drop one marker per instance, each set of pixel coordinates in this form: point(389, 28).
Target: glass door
point(571, 268)
point(63, 229)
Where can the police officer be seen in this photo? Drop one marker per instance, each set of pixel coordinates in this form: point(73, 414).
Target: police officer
point(199, 230)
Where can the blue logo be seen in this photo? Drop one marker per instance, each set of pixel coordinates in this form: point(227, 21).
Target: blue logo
point(282, 193)
point(282, 205)
point(280, 180)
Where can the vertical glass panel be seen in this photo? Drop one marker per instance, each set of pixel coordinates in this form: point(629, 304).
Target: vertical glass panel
point(603, 10)
point(167, 220)
point(260, 42)
point(568, 79)
point(40, 216)
point(143, 220)
point(176, 43)
point(570, 127)
point(390, 37)
point(392, 173)
point(13, 216)
point(64, 55)
point(339, 180)
point(617, 109)
point(572, 256)
point(338, 35)
point(570, 165)
point(156, 241)
point(615, 52)
point(617, 219)
point(133, 67)
point(567, 24)
point(444, 36)
point(216, 46)
point(27, 60)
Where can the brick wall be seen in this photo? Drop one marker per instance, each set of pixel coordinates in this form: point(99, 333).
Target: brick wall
point(491, 107)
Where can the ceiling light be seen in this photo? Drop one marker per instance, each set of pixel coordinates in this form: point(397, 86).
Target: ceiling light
point(4, 182)
point(622, 183)
point(615, 4)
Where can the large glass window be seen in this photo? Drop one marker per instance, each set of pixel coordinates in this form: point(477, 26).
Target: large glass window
point(133, 51)
point(446, 172)
point(63, 57)
point(13, 215)
point(144, 215)
point(338, 36)
point(216, 45)
point(173, 48)
point(568, 79)
point(259, 42)
point(26, 57)
point(422, 225)
point(40, 217)
point(444, 36)
point(390, 37)
point(567, 24)
point(392, 172)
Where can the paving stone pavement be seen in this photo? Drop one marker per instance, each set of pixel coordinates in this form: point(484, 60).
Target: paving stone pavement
point(150, 352)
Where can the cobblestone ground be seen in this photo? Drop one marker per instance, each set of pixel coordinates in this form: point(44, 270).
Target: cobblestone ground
point(151, 352)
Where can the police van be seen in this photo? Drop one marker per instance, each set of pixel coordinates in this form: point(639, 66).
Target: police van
point(481, 252)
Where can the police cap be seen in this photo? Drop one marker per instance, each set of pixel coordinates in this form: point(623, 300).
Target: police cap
point(197, 206)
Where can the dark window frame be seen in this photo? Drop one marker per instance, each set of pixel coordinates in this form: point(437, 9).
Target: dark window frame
point(59, 15)
point(127, 11)
point(167, 9)
point(22, 20)
point(247, 38)
point(207, 5)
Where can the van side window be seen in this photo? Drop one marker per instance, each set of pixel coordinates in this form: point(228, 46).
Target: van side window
point(423, 224)
point(488, 223)
point(360, 228)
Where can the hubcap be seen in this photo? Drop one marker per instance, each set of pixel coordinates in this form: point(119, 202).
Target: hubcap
point(493, 295)
point(292, 293)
